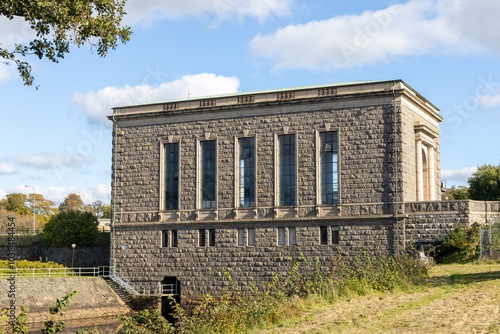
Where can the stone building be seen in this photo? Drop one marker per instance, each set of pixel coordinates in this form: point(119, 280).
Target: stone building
point(248, 181)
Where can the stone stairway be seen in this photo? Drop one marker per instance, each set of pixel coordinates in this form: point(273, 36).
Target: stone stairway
point(122, 293)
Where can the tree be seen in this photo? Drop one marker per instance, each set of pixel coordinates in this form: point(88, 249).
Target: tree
point(72, 202)
point(106, 211)
point(58, 24)
point(15, 202)
point(70, 227)
point(96, 208)
point(485, 183)
point(43, 208)
point(456, 193)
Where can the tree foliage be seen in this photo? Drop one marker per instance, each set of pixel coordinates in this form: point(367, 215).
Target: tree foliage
point(456, 193)
point(70, 227)
point(99, 209)
point(15, 202)
point(485, 183)
point(58, 24)
point(72, 202)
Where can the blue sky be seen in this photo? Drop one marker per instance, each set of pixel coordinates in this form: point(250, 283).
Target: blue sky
point(57, 139)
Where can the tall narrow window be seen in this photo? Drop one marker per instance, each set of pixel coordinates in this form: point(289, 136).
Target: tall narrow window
point(292, 236)
point(174, 238)
point(251, 237)
point(281, 236)
point(172, 176)
point(286, 170)
point(201, 238)
point(246, 185)
point(208, 174)
point(164, 242)
point(241, 237)
point(323, 235)
point(335, 235)
point(329, 175)
point(169, 238)
point(211, 237)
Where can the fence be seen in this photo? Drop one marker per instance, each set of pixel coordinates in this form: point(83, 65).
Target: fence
point(54, 272)
point(148, 289)
point(28, 231)
point(489, 239)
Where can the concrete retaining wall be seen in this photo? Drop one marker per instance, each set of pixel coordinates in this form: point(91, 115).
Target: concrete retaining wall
point(94, 298)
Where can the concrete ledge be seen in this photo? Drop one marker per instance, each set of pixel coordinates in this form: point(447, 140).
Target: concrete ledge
point(94, 297)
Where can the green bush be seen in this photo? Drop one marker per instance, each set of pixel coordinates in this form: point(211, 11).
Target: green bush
point(146, 322)
point(23, 264)
point(70, 227)
point(459, 246)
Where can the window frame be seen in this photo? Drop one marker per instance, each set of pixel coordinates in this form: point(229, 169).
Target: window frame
point(240, 237)
point(165, 238)
point(212, 238)
point(202, 237)
point(281, 236)
point(250, 237)
point(169, 239)
point(318, 165)
point(237, 193)
point(324, 235)
point(290, 235)
point(162, 178)
point(335, 235)
point(277, 166)
point(199, 173)
point(245, 237)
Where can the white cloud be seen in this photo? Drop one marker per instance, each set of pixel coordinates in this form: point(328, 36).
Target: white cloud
point(457, 176)
point(6, 169)
point(13, 31)
point(98, 104)
point(428, 27)
point(144, 12)
point(49, 160)
point(4, 73)
point(488, 102)
point(3, 193)
point(99, 192)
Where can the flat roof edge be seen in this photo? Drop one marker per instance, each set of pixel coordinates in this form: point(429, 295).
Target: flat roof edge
point(268, 91)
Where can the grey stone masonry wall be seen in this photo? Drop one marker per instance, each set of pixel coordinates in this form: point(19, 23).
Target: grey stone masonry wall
point(365, 140)
point(201, 269)
point(83, 256)
point(432, 221)
point(141, 257)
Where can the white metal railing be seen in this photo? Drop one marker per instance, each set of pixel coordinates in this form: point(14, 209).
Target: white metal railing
point(54, 272)
point(145, 289)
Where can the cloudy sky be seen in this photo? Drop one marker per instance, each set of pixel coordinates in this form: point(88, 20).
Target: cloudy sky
point(57, 139)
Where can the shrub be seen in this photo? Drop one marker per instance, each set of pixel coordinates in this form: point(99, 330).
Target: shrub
point(70, 227)
point(459, 246)
point(238, 312)
point(146, 322)
point(23, 264)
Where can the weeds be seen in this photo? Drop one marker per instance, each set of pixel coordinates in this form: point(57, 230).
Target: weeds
point(235, 311)
point(281, 298)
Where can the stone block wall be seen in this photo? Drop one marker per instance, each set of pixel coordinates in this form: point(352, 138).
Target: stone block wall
point(365, 146)
point(409, 117)
point(84, 256)
point(200, 270)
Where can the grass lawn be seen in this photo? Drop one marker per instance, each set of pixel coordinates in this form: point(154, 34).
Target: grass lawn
point(458, 298)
